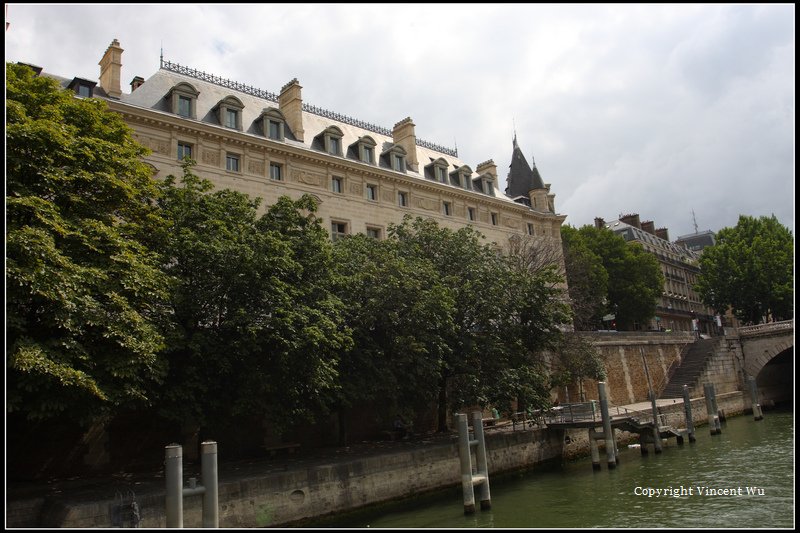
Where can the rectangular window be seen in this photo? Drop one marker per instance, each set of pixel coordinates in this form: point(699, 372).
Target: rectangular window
point(230, 118)
point(373, 233)
point(368, 154)
point(184, 106)
point(489, 188)
point(338, 230)
point(84, 90)
point(336, 184)
point(530, 228)
point(441, 174)
point(471, 213)
point(447, 209)
point(494, 219)
point(184, 150)
point(402, 199)
point(372, 192)
point(334, 143)
point(232, 162)
point(275, 172)
point(274, 130)
point(399, 163)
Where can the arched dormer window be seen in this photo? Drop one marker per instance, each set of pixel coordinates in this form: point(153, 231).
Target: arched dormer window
point(229, 112)
point(484, 183)
point(183, 100)
point(273, 123)
point(462, 177)
point(363, 150)
point(437, 170)
point(330, 140)
point(395, 157)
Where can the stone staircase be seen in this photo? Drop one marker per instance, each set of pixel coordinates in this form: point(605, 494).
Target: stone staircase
point(692, 365)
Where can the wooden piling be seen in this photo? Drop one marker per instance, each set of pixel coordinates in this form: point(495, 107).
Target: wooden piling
point(687, 409)
point(611, 455)
point(757, 413)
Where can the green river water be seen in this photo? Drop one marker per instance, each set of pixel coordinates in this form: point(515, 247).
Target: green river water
point(742, 478)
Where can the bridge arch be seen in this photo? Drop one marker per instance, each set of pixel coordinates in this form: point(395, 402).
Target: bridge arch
point(768, 351)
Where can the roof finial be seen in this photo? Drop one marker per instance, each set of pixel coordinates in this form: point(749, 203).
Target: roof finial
point(161, 59)
point(514, 124)
point(694, 219)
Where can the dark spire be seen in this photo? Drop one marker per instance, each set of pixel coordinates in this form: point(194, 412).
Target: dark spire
point(521, 177)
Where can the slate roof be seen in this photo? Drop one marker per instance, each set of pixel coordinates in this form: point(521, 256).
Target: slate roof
point(522, 178)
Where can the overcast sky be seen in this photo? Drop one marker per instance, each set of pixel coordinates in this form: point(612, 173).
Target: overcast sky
point(661, 110)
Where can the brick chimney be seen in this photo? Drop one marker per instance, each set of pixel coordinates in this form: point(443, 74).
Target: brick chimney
point(599, 223)
point(649, 226)
point(662, 233)
point(631, 220)
point(136, 83)
point(111, 70)
point(487, 167)
point(403, 135)
point(290, 103)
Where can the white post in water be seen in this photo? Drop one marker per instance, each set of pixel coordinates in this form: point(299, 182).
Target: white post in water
point(173, 472)
point(480, 459)
point(208, 469)
point(757, 414)
point(595, 450)
point(687, 408)
point(465, 456)
point(720, 415)
point(611, 455)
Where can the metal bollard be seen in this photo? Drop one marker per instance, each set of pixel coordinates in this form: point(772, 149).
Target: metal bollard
point(175, 491)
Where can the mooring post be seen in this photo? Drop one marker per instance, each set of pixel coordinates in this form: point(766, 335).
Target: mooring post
point(208, 469)
point(595, 450)
point(720, 415)
point(687, 409)
point(654, 407)
point(481, 463)
point(757, 413)
point(464, 455)
point(608, 433)
point(712, 416)
point(173, 472)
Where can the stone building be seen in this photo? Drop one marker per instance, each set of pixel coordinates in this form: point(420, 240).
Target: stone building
point(265, 144)
point(679, 308)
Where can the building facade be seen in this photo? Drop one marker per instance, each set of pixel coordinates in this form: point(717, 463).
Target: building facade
point(364, 177)
point(679, 308)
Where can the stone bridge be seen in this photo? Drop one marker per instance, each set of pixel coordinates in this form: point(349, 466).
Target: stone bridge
point(768, 355)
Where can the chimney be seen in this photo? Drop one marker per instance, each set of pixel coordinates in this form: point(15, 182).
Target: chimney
point(662, 233)
point(632, 220)
point(403, 135)
point(136, 83)
point(291, 105)
point(599, 223)
point(111, 70)
point(649, 226)
point(487, 167)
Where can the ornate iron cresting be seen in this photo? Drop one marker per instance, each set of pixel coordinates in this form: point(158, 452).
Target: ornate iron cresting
point(272, 97)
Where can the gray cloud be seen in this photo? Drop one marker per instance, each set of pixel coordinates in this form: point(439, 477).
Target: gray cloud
point(659, 110)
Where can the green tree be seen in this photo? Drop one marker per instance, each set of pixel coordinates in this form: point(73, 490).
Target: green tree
point(635, 280)
point(257, 329)
point(84, 295)
point(750, 269)
point(399, 314)
point(587, 280)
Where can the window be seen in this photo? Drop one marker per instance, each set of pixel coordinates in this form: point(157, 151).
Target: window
point(367, 154)
point(441, 174)
point(336, 184)
point(447, 208)
point(402, 199)
point(274, 130)
point(82, 87)
point(232, 162)
point(230, 112)
point(184, 106)
point(184, 150)
point(338, 230)
point(275, 172)
point(399, 163)
point(494, 219)
point(83, 90)
point(373, 233)
point(273, 123)
point(530, 228)
point(372, 193)
point(183, 100)
point(334, 145)
point(471, 213)
point(329, 141)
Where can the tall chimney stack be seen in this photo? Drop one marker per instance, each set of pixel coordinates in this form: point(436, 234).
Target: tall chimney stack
point(111, 70)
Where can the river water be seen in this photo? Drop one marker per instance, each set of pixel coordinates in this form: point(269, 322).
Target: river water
point(742, 478)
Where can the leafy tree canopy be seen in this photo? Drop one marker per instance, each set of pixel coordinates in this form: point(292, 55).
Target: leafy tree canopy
point(750, 269)
point(84, 295)
point(587, 280)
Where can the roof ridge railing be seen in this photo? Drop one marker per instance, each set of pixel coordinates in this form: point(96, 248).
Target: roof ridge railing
point(260, 93)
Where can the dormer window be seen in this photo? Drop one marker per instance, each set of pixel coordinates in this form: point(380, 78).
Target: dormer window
point(394, 157)
point(484, 184)
point(462, 177)
point(82, 87)
point(229, 111)
point(183, 100)
point(332, 140)
point(273, 124)
point(364, 149)
point(437, 170)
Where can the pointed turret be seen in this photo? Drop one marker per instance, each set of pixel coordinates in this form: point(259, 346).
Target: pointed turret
point(521, 177)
